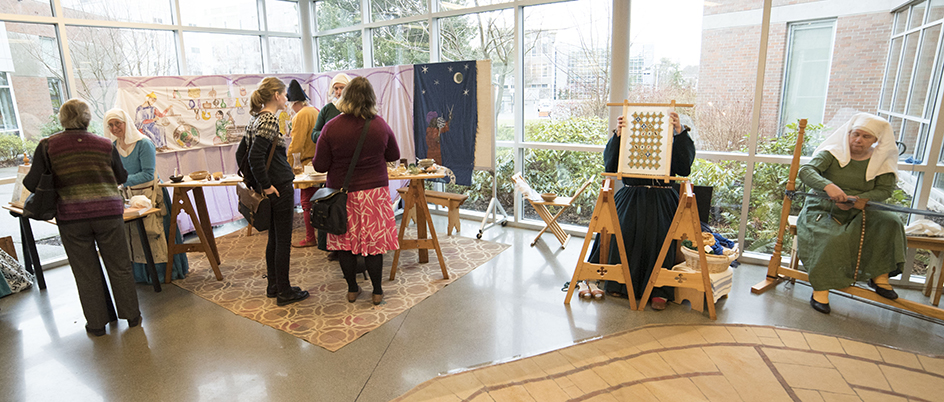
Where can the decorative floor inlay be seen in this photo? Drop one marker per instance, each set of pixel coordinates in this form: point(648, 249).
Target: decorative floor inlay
point(701, 363)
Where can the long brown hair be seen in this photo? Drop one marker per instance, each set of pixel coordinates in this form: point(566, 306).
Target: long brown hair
point(267, 88)
point(358, 99)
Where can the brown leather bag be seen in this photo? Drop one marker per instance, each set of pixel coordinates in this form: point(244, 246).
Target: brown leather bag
point(254, 205)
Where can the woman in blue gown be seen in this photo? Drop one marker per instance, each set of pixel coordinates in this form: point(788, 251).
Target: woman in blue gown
point(139, 158)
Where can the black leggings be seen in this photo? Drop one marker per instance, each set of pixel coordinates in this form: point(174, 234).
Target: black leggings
point(279, 246)
point(374, 265)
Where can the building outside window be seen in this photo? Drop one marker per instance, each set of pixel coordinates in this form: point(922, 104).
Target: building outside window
point(806, 74)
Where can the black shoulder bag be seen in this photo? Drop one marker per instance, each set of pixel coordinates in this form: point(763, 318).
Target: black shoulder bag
point(329, 206)
point(41, 204)
point(254, 205)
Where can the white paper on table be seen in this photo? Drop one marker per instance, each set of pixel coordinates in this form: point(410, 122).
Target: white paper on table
point(924, 227)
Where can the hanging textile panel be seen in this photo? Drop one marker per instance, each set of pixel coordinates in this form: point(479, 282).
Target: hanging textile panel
point(445, 115)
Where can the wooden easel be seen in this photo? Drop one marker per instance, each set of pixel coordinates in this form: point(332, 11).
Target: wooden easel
point(777, 273)
point(605, 221)
point(685, 224)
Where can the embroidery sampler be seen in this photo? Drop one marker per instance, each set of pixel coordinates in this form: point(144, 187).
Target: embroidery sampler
point(646, 143)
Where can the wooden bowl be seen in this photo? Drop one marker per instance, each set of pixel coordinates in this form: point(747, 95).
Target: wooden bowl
point(549, 197)
point(425, 163)
point(199, 175)
point(176, 179)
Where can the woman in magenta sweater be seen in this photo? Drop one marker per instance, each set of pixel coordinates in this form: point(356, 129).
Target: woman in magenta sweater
point(371, 226)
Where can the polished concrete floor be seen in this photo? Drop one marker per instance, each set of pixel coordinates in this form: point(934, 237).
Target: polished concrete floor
point(188, 349)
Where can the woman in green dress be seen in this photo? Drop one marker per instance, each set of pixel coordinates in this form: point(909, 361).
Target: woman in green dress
point(858, 161)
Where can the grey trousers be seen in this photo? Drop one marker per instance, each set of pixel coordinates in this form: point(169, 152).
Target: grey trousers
point(79, 239)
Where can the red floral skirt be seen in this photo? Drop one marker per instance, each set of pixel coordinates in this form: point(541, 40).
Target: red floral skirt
point(371, 227)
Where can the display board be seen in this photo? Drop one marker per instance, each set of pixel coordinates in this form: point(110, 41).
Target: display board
point(646, 141)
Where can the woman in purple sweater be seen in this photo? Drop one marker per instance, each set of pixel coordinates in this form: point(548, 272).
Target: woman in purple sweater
point(371, 227)
point(87, 170)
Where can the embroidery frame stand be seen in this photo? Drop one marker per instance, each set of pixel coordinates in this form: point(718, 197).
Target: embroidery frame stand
point(685, 224)
point(605, 221)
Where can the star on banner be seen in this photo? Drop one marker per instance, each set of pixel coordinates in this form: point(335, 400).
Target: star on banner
point(425, 69)
point(466, 92)
point(450, 69)
point(435, 82)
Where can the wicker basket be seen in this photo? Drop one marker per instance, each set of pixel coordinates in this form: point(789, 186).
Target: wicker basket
point(716, 263)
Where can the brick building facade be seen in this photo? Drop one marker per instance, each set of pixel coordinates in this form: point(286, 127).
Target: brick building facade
point(730, 41)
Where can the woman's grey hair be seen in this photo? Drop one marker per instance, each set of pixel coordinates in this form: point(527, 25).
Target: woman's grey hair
point(75, 114)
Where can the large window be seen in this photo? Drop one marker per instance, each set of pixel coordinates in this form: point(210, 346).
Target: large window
point(343, 51)
point(331, 14)
point(147, 11)
point(285, 55)
point(231, 14)
point(27, 105)
point(912, 76)
point(806, 77)
point(566, 64)
point(222, 54)
point(401, 44)
point(99, 55)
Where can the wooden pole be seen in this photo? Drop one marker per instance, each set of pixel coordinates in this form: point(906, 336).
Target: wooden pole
point(774, 265)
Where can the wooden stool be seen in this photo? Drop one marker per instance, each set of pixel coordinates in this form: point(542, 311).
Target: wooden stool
point(450, 201)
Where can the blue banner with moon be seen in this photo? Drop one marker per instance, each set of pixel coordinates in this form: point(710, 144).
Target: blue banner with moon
point(445, 115)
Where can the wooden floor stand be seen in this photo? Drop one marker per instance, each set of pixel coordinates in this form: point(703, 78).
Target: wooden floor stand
point(685, 224)
point(604, 221)
point(415, 197)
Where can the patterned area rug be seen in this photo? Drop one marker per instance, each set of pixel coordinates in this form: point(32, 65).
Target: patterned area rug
point(701, 363)
point(326, 318)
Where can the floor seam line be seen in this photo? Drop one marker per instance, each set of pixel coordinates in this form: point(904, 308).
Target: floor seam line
point(405, 314)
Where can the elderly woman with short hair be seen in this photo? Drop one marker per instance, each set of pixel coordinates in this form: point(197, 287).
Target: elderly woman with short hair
point(87, 170)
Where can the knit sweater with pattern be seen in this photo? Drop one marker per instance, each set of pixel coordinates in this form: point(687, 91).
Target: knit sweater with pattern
point(87, 170)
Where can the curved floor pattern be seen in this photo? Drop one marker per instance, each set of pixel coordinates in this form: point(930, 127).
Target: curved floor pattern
point(326, 318)
point(701, 363)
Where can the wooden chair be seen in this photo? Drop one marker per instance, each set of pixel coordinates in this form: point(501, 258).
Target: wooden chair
point(541, 207)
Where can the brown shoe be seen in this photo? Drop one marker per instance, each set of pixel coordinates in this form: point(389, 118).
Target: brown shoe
point(332, 256)
point(352, 296)
point(377, 299)
point(305, 243)
point(658, 303)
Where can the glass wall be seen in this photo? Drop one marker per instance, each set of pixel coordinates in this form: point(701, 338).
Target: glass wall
point(550, 76)
point(31, 82)
point(106, 39)
point(99, 55)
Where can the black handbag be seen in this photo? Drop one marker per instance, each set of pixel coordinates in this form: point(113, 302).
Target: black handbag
point(254, 205)
point(41, 204)
point(329, 206)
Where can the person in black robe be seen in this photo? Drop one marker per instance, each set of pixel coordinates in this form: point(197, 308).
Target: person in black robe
point(646, 208)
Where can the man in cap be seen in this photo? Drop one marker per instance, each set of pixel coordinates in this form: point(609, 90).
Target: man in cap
point(303, 125)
